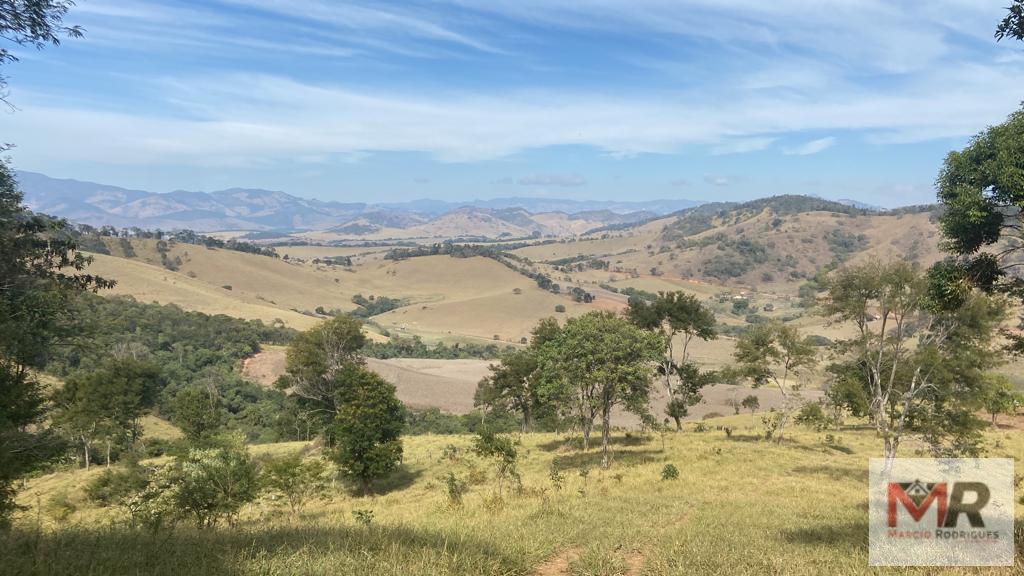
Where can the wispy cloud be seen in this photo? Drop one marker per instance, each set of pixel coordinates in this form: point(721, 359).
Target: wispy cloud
point(812, 147)
point(742, 146)
point(717, 180)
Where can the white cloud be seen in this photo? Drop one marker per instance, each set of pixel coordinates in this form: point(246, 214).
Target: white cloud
point(742, 146)
point(812, 147)
point(717, 180)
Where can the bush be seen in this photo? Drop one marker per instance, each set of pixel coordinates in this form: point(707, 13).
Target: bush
point(215, 483)
point(559, 308)
point(295, 479)
point(669, 472)
point(116, 485)
point(812, 415)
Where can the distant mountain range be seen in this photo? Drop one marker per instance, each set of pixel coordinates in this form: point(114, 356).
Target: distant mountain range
point(261, 210)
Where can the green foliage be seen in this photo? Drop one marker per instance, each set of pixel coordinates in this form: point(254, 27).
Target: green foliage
point(751, 402)
point(982, 191)
point(844, 244)
point(1013, 24)
point(294, 478)
point(454, 488)
point(1000, 396)
point(515, 384)
point(669, 472)
point(213, 484)
point(920, 362)
point(596, 362)
point(189, 348)
point(363, 516)
point(317, 357)
point(413, 347)
point(813, 415)
point(502, 450)
point(366, 427)
point(199, 413)
point(116, 485)
point(41, 273)
point(105, 405)
point(374, 305)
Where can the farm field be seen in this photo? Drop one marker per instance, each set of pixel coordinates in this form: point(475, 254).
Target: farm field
point(739, 506)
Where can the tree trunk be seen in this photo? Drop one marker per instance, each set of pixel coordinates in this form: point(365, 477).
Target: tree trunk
point(606, 419)
point(108, 453)
point(85, 444)
point(891, 445)
point(527, 418)
point(586, 426)
point(679, 423)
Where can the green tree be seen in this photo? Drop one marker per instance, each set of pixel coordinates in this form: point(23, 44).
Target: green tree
point(213, 484)
point(672, 315)
point(750, 402)
point(502, 449)
point(982, 192)
point(599, 361)
point(294, 478)
point(41, 272)
point(1013, 24)
point(367, 427)
point(514, 384)
point(920, 362)
point(199, 412)
point(316, 357)
point(775, 353)
point(106, 404)
point(1001, 397)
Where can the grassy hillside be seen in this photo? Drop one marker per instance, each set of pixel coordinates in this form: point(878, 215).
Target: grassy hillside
point(739, 506)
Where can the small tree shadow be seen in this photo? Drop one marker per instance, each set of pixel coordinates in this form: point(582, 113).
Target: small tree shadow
point(853, 535)
point(592, 458)
point(833, 472)
point(401, 479)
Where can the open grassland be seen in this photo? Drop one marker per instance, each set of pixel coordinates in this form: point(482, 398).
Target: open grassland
point(147, 283)
point(740, 506)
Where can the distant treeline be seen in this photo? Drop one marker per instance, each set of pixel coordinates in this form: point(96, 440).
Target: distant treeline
point(414, 347)
point(90, 238)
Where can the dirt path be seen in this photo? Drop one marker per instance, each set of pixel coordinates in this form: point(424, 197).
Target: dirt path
point(558, 565)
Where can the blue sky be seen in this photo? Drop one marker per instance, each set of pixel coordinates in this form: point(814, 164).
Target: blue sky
point(462, 99)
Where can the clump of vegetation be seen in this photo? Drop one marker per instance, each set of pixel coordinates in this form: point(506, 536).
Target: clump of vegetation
point(669, 472)
point(294, 478)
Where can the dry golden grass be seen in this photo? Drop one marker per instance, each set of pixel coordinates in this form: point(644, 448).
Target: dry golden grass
point(740, 506)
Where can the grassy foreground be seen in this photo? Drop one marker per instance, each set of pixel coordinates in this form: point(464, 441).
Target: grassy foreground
point(739, 506)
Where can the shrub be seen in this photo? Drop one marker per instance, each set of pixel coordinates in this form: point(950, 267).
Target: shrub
point(215, 483)
point(454, 489)
point(487, 444)
point(669, 472)
point(116, 485)
point(294, 478)
point(363, 516)
point(559, 308)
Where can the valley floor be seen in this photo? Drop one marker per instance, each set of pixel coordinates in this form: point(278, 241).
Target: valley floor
point(739, 506)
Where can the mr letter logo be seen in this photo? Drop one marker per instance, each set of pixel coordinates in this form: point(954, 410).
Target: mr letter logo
point(961, 514)
point(917, 497)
